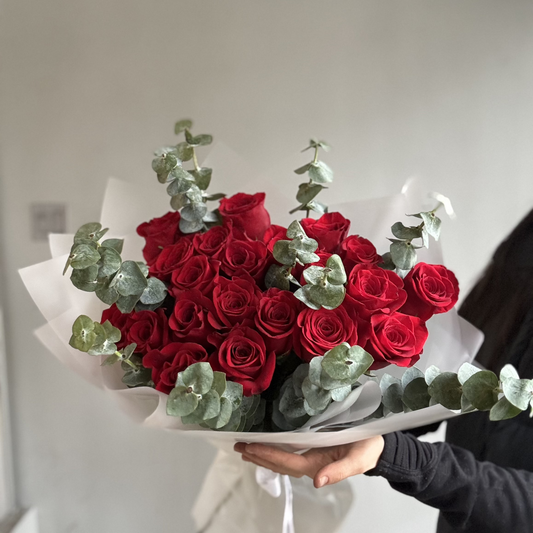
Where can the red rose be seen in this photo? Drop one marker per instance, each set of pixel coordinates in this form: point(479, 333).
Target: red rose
point(376, 289)
point(274, 234)
point(329, 230)
point(431, 289)
point(355, 249)
point(320, 331)
point(172, 359)
point(171, 258)
point(396, 339)
point(247, 213)
point(245, 256)
point(276, 319)
point(199, 272)
point(235, 300)
point(244, 358)
point(148, 329)
point(159, 233)
point(119, 320)
point(213, 242)
point(190, 319)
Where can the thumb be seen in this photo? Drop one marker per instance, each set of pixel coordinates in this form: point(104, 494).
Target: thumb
point(337, 471)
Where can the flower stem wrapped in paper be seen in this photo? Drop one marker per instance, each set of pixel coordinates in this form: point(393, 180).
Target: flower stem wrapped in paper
point(234, 325)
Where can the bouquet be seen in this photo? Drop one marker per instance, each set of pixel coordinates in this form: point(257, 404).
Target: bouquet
point(249, 326)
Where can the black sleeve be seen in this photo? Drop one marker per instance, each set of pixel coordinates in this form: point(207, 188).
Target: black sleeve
point(472, 496)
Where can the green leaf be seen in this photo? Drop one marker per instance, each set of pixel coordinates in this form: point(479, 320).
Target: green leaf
point(136, 377)
point(315, 370)
point(198, 140)
point(83, 256)
point(185, 152)
point(163, 164)
point(503, 409)
point(199, 376)
point(126, 304)
point(277, 276)
point(307, 191)
point(406, 233)
point(317, 207)
point(129, 280)
point(391, 393)
point(208, 408)
point(83, 334)
point(91, 231)
point(317, 398)
point(403, 255)
point(327, 296)
point(106, 339)
point(202, 177)
point(431, 373)
point(304, 169)
point(337, 274)
point(431, 224)
point(223, 416)
point(109, 263)
point(466, 371)
point(187, 226)
point(219, 382)
point(214, 197)
point(290, 404)
point(85, 279)
point(182, 125)
point(128, 351)
point(446, 390)
point(508, 371)
point(283, 253)
point(179, 186)
point(481, 389)
point(155, 292)
point(518, 391)
point(345, 362)
point(111, 360)
point(178, 201)
point(319, 172)
point(115, 244)
point(411, 374)
point(416, 395)
point(315, 275)
point(341, 393)
point(194, 212)
point(387, 262)
point(181, 402)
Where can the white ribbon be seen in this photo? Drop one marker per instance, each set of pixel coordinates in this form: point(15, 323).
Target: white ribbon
point(271, 482)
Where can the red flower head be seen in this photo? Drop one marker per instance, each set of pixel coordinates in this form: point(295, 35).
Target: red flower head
point(159, 233)
point(247, 213)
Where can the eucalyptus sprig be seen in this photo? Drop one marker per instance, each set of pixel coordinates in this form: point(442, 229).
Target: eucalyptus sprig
point(319, 173)
point(187, 187)
point(312, 387)
point(98, 267)
point(203, 396)
point(402, 255)
point(469, 389)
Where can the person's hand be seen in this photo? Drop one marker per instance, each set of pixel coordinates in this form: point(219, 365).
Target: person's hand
point(324, 465)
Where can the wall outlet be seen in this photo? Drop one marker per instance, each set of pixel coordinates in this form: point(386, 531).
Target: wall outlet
point(47, 218)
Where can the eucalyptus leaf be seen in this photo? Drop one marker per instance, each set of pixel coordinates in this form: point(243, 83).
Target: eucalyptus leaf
point(181, 402)
point(307, 191)
point(208, 408)
point(346, 362)
point(109, 263)
point(290, 404)
point(111, 360)
point(403, 255)
point(234, 393)
point(277, 276)
point(481, 389)
point(214, 197)
point(179, 186)
point(337, 274)
point(129, 280)
point(466, 371)
point(341, 393)
point(508, 371)
point(83, 256)
point(178, 201)
point(90, 231)
point(391, 393)
point(518, 391)
point(223, 417)
point(315, 370)
point(431, 224)
point(194, 212)
point(115, 244)
point(202, 177)
point(136, 377)
point(185, 152)
point(320, 173)
point(411, 374)
point(317, 398)
point(83, 334)
point(199, 376)
point(503, 409)
point(187, 226)
point(85, 279)
point(155, 292)
point(446, 390)
point(182, 125)
point(406, 233)
point(431, 373)
point(416, 395)
point(304, 169)
point(219, 382)
point(317, 207)
point(126, 304)
point(283, 253)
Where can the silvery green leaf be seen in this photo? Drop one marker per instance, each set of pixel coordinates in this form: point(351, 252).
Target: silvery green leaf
point(346, 362)
point(319, 172)
point(115, 244)
point(315, 274)
point(202, 177)
point(126, 304)
point(290, 404)
point(329, 297)
point(387, 263)
point(181, 402)
point(341, 393)
point(298, 377)
point(317, 207)
point(277, 276)
point(307, 191)
point(304, 169)
point(109, 263)
point(295, 229)
point(416, 395)
point(219, 382)
point(316, 397)
point(107, 294)
point(406, 233)
point(283, 253)
point(143, 267)
point(410, 374)
point(164, 163)
point(518, 391)
point(301, 243)
point(306, 258)
point(466, 371)
point(185, 152)
point(337, 274)
point(208, 408)
point(328, 383)
point(106, 337)
point(503, 409)
point(446, 390)
point(135, 377)
point(310, 410)
point(466, 406)
point(92, 231)
point(181, 174)
point(178, 201)
point(155, 292)
point(85, 279)
point(112, 334)
point(128, 351)
point(508, 371)
point(234, 421)
point(182, 125)
point(303, 296)
point(431, 224)
point(247, 404)
point(163, 177)
point(194, 212)
point(391, 393)
point(431, 373)
point(187, 226)
point(481, 389)
point(111, 360)
point(315, 370)
point(195, 195)
point(199, 376)
point(129, 280)
point(425, 238)
point(403, 255)
point(178, 186)
point(198, 140)
point(223, 416)
point(214, 197)
point(83, 334)
point(83, 255)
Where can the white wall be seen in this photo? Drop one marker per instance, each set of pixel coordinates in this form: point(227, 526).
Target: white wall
point(89, 88)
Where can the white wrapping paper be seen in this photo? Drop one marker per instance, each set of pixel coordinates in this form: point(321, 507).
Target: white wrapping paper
point(452, 341)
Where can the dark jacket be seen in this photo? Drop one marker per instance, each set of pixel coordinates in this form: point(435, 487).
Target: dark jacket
point(480, 479)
